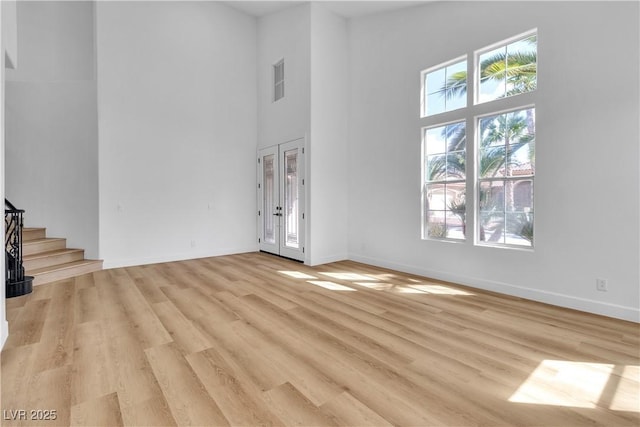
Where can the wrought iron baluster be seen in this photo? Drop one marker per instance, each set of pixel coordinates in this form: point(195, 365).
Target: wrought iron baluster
point(15, 281)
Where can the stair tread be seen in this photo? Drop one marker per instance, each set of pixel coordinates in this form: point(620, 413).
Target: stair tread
point(46, 239)
point(64, 266)
point(54, 252)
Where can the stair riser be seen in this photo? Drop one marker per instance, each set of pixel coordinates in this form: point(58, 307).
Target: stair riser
point(49, 245)
point(52, 260)
point(38, 233)
point(53, 276)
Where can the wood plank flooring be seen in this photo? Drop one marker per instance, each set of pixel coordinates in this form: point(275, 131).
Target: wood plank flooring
point(253, 339)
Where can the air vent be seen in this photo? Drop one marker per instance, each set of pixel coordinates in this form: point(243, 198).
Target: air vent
point(278, 80)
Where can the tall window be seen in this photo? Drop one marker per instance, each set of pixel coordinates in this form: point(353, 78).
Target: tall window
point(278, 80)
point(506, 156)
point(503, 145)
point(445, 181)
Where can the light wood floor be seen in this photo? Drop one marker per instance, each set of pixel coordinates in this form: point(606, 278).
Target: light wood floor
point(254, 339)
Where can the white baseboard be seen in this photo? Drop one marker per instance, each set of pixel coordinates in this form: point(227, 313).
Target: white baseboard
point(631, 314)
point(129, 262)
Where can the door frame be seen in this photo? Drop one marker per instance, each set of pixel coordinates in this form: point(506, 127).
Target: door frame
point(279, 247)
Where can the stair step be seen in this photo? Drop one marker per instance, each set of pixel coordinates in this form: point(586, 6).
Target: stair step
point(43, 245)
point(33, 233)
point(64, 271)
point(50, 258)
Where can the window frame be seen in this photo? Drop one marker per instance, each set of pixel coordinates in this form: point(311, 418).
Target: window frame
point(423, 85)
point(476, 65)
point(472, 114)
point(479, 180)
point(445, 181)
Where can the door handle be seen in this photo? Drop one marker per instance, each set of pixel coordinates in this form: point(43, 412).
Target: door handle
point(277, 214)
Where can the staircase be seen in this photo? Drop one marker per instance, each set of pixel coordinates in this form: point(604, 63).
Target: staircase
point(48, 259)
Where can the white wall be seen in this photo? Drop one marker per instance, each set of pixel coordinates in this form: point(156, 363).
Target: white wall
point(4, 326)
point(177, 126)
point(285, 34)
point(328, 166)
point(587, 182)
point(51, 122)
point(314, 44)
point(10, 29)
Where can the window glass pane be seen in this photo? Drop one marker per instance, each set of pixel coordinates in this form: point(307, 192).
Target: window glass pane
point(291, 198)
point(520, 160)
point(455, 225)
point(491, 196)
point(508, 70)
point(506, 145)
point(523, 196)
point(490, 89)
point(519, 229)
point(492, 74)
point(435, 80)
point(436, 197)
point(521, 62)
point(492, 227)
point(456, 102)
point(435, 141)
point(456, 93)
point(456, 136)
point(454, 194)
point(456, 165)
point(436, 167)
point(455, 70)
point(436, 225)
point(445, 89)
point(491, 162)
point(268, 180)
point(435, 103)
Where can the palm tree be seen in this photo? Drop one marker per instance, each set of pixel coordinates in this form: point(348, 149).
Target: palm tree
point(518, 69)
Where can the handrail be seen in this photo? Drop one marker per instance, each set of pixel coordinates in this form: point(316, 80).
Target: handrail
point(7, 203)
point(15, 281)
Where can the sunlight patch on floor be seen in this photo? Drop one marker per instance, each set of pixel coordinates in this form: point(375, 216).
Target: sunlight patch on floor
point(297, 275)
point(378, 286)
point(376, 282)
point(440, 290)
point(330, 285)
point(627, 396)
point(580, 385)
point(348, 276)
point(383, 276)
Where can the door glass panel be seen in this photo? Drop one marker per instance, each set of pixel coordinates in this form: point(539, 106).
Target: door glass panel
point(291, 198)
point(269, 182)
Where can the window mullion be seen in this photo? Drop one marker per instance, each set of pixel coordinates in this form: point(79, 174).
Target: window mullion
point(472, 135)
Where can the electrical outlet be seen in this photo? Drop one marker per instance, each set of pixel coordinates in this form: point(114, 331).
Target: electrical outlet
point(193, 243)
point(601, 285)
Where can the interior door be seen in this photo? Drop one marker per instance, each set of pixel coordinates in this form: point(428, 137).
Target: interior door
point(281, 199)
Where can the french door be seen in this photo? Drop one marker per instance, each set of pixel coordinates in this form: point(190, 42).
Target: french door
point(281, 199)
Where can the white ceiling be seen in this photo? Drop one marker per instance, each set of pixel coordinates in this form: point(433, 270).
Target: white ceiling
point(346, 8)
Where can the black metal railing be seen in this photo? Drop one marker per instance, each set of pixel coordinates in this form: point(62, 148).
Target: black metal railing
point(15, 280)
